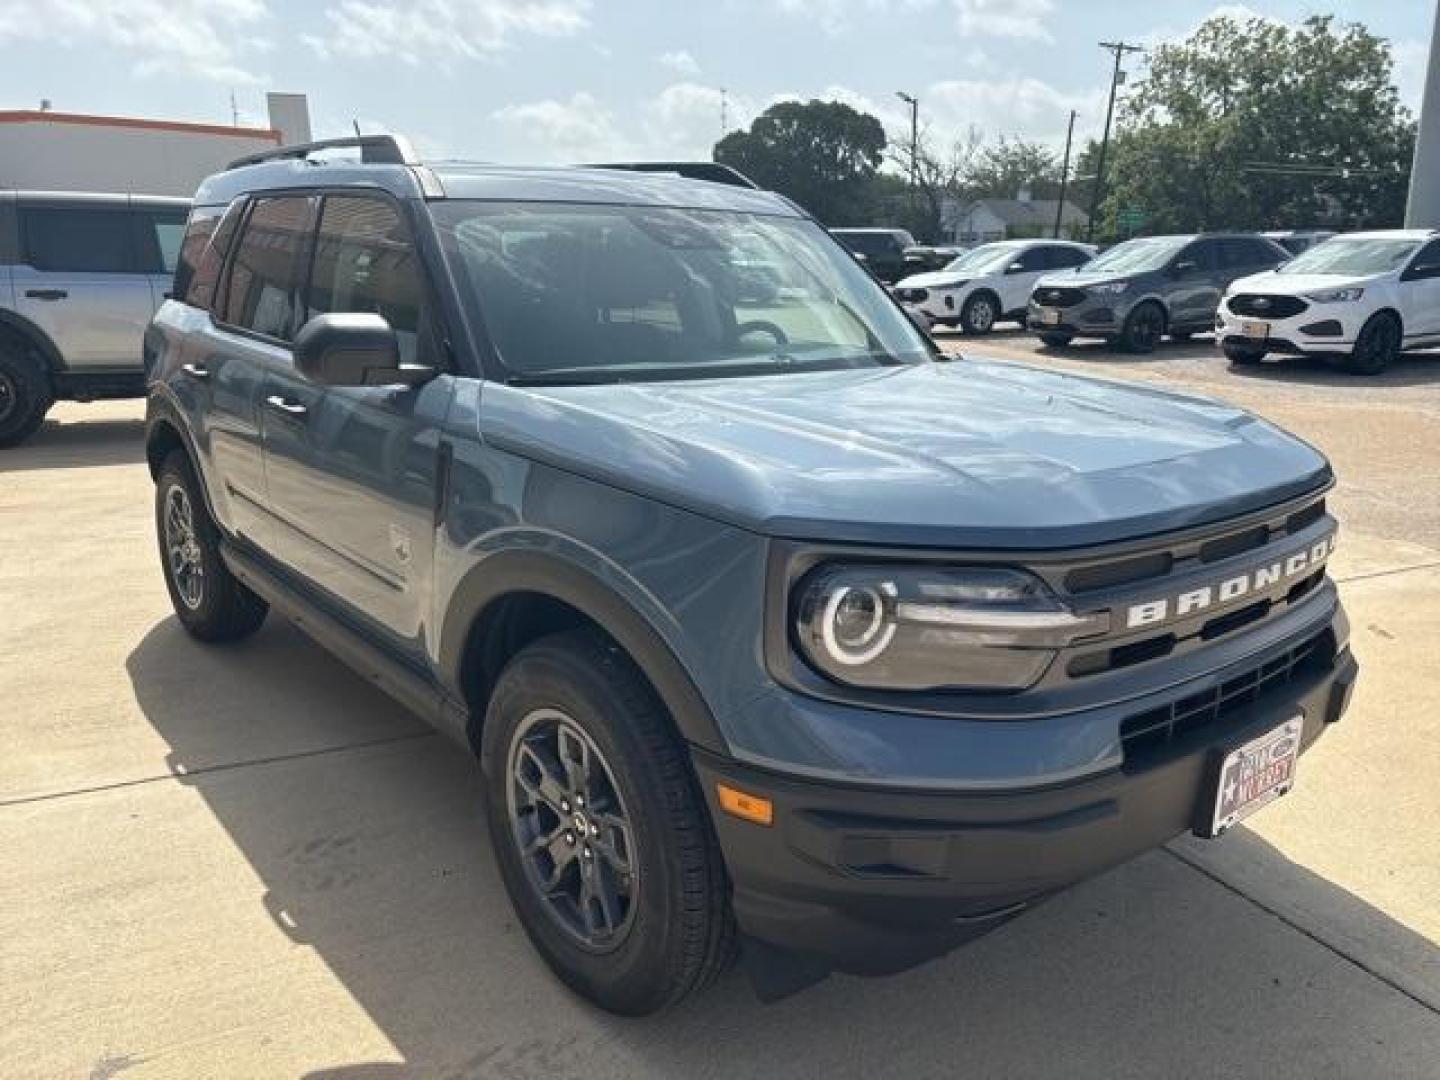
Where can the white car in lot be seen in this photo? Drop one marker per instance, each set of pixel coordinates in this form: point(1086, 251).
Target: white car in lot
point(991, 283)
point(1365, 297)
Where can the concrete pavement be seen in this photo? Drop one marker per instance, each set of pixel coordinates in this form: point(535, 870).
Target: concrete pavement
point(244, 862)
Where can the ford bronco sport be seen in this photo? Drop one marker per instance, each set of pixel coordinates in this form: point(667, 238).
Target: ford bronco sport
point(772, 634)
point(80, 277)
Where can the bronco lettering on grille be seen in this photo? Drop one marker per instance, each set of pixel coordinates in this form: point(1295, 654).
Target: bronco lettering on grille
point(1301, 562)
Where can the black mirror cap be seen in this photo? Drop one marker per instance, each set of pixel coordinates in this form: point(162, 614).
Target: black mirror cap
point(352, 349)
point(1183, 267)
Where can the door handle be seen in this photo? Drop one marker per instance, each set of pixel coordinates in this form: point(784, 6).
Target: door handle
point(196, 371)
point(46, 294)
point(285, 405)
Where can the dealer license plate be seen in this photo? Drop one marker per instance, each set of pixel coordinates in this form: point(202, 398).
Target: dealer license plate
point(1256, 774)
point(1257, 330)
point(1050, 316)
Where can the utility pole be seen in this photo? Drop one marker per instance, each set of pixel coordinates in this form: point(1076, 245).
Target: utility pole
point(1422, 210)
point(914, 104)
point(234, 111)
point(1064, 177)
point(1119, 48)
point(724, 113)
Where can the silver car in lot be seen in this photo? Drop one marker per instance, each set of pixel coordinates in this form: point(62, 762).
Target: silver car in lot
point(80, 277)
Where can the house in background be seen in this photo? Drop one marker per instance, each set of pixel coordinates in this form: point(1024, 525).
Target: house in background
point(984, 220)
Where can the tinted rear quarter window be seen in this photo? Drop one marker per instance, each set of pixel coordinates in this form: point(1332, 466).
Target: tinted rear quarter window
point(263, 289)
point(77, 239)
point(208, 237)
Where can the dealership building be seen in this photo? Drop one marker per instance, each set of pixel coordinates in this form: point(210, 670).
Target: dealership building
point(43, 150)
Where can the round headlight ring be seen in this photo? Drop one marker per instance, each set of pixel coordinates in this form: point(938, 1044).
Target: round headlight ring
point(878, 632)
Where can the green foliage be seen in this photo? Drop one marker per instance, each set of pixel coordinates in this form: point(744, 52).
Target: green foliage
point(1256, 124)
point(1001, 171)
point(823, 154)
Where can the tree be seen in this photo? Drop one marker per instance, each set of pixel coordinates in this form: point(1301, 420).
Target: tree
point(1256, 124)
point(938, 177)
point(1010, 166)
point(822, 154)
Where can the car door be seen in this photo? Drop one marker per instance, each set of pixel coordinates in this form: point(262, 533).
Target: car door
point(79, 280)
point(352, 472)
point(1419, 294)
point(1195, 289)
point(159, 231)
point(1017, 281)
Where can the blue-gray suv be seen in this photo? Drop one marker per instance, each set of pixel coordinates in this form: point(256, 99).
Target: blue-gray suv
point(774, 634)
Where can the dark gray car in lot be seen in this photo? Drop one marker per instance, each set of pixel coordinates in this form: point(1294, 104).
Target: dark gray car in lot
point(1144, 289)
point(773, 633)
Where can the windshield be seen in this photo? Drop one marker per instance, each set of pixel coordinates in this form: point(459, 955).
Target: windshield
point(984, 259)
point(1353, 256)
point(1138, 256)
point(576, 293)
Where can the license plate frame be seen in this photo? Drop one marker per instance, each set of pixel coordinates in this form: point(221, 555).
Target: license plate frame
point(1254, 330)
point(1248, 777)
point(1050, 316)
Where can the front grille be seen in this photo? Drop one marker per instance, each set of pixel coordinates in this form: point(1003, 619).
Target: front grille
point(913, 296)
point(1051, 296)
point(1267, 305)
point(1145, 734)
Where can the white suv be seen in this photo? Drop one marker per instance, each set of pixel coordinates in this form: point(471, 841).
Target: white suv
point(1366, 296)
point(990, 283)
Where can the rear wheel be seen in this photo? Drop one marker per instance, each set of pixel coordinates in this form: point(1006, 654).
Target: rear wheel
point(1143, 328)
point(1242, 355)
point(210, 602)
point(1377, 345)
point(599, 829)
point(1055, 340)
point(25, 395)
point(979, 314)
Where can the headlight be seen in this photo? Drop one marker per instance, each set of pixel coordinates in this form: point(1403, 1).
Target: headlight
point(1335, 296)
point(930, 628)
point(952, 285)
point(1110, 288)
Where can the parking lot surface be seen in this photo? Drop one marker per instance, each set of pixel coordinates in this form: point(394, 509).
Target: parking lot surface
point(242, 861)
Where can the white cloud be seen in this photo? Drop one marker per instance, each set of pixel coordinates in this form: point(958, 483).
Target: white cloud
point(1411, 58)
point(1025, 106)
point(577, 129)
point(1004, 18)
point(418, 31)
point(680, 61)
point(205, 38)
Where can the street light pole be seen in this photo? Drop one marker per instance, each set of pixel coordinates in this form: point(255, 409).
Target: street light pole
point(1119, 48)
point(1064, 177)
point(1422, 209)
point(914, 104)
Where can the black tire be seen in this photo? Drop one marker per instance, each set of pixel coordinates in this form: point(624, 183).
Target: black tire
point(1055, 341)
point(980, 313)
point(1242, 355)
point(1377, 346)
point(25, 394)
point(210, 602)
point(1181, 336)
point(678, 931)
point(1143, 328)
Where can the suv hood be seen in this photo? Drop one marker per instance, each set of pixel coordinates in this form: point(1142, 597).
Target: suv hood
point(1298, 284)
point(935, 279)
point(1079, 278)
point(964, 454)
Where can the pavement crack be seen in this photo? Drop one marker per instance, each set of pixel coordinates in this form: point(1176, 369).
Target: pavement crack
point(1388, 573)
point(227, 766)
point(1354, 961)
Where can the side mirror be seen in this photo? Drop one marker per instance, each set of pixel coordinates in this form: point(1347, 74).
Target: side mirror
point(1015, 268)
point(1183, 267)
point(1421, 271)
point(353, 349)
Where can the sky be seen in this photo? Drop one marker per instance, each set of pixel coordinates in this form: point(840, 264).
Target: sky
point(584, 80)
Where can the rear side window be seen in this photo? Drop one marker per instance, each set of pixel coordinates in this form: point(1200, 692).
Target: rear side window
point(158, 234)
point(77, 240)
point(262, 292)
point(202, 253)
point(365, 262)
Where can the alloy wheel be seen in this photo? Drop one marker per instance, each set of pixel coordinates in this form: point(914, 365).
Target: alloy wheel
point(982, 315)
point(182, 548)
point(572, 830)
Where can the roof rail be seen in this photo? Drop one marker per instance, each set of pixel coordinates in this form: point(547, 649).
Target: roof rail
point(712, 171)
point(374, 150)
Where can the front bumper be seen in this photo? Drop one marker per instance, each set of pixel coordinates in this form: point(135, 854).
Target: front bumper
point(1321, 328)
point(942, 305)
point(1095, 316)
point(871, 881)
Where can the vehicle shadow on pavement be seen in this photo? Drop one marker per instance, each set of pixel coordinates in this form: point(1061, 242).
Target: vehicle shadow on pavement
point(374, 857)
point(77, 445)
point(1412, 369)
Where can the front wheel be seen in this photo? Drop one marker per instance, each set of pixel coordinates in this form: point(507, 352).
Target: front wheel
point(979, 314)
point(1377, 345)
point(1143, 328)
point(24, 396)
point(210, 602)
point(599, 828)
